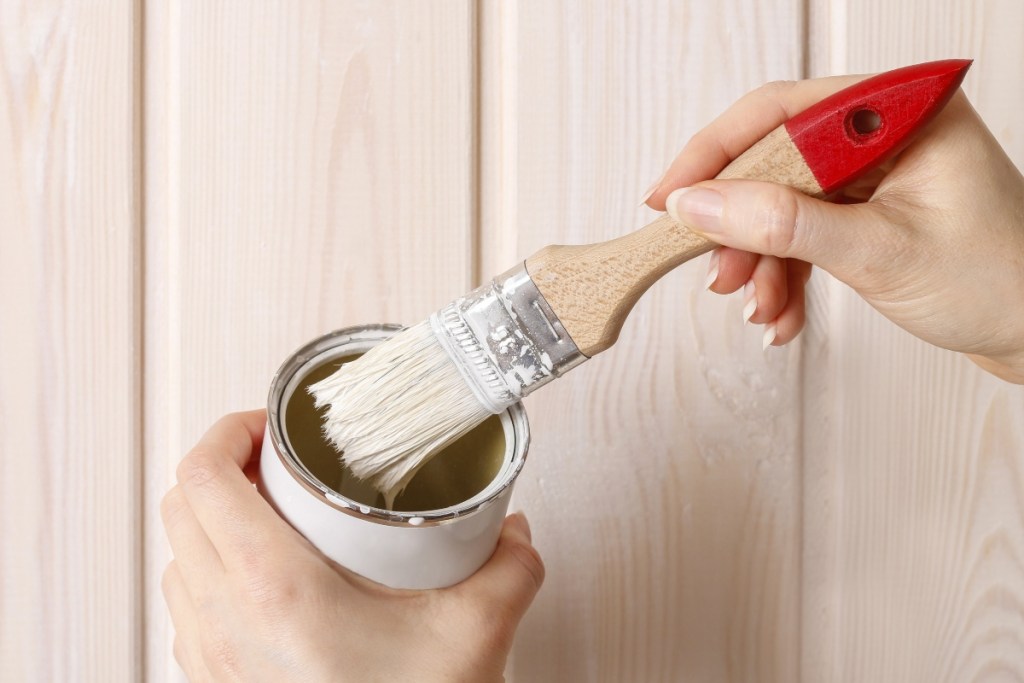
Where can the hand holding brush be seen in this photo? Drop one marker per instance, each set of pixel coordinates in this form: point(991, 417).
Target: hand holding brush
point(933, 240)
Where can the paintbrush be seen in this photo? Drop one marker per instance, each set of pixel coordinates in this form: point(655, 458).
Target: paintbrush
point(390, 410)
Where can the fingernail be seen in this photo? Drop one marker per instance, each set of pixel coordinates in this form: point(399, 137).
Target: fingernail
point(518, 518)
point(769, 335)
point(750, 301)
point(696, 207)
point(652, 189)
point(712, 270)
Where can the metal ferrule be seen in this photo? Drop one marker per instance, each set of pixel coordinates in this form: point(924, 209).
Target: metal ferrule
point(505, 339)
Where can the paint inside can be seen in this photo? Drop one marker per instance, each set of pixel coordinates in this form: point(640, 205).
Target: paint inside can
point(461, 471)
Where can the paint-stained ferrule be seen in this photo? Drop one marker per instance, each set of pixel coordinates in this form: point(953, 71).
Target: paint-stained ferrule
point(505, 339)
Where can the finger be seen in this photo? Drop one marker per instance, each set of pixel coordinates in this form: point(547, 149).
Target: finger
point(199, 563)
point(508, 582)
point(183, 617)
point(772, 219)
point(179, 602)
point(240, 524)
point(734, 269)
point(790, 320)
point(748, 120)
point(767, 290)
point(238, 435)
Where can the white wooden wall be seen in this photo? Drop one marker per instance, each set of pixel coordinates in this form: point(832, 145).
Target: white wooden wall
point(71, 459)
point(189, 190)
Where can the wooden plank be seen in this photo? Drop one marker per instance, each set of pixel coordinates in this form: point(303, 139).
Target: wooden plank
point(914, 506)
point(70, 417)
point(311, 166)
point(664, 476)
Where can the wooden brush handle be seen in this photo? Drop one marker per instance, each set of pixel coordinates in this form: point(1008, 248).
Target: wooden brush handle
point(592, 288)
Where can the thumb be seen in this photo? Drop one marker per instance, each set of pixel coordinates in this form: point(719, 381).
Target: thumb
point(508, 582)
point(773, 219)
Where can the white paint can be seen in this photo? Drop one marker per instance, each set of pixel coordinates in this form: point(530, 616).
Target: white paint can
point(344, 518)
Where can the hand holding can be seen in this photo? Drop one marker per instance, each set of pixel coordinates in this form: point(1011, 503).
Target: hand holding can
point(251, 599)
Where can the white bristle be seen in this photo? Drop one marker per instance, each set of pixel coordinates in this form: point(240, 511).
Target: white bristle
point(392, 408)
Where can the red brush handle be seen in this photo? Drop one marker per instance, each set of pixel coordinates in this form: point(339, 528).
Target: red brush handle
point(591, 288)
point(853, 131)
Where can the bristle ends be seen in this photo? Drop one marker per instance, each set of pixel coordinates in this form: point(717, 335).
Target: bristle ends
point(389, 411)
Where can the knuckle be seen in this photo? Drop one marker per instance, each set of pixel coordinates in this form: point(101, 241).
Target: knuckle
point(172, 506)
point(703, 138)
point(231, 427)
point(199, 467)
point(179, 651)
point(166, 579)
point(531, 560)
point(255, 562)
point(232, 420)
point(774, 95)
point(219, 655)
point(269, 591)
point(776, 219)
point(218, 649)
point(774, 90)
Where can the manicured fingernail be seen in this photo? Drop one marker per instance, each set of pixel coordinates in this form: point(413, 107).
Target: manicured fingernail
point(750, 301)
point(769, 335)
point(519, 520)
point(652, 189)
point(696, 207)
point(712, 270)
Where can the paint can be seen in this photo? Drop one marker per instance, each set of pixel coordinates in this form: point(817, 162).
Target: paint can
point(443, 527)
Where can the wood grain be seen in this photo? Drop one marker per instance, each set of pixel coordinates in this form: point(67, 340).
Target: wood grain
point(847, 509)
point(310, 167)
point(70, 415)
point(914, 485)
point(593, 287)
point(664, 476)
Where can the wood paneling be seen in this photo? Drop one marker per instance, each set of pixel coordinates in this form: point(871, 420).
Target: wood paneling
point(70, 526)
point(311, 166)
point(664, 476)
point(850, 508)
point(914, 507)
